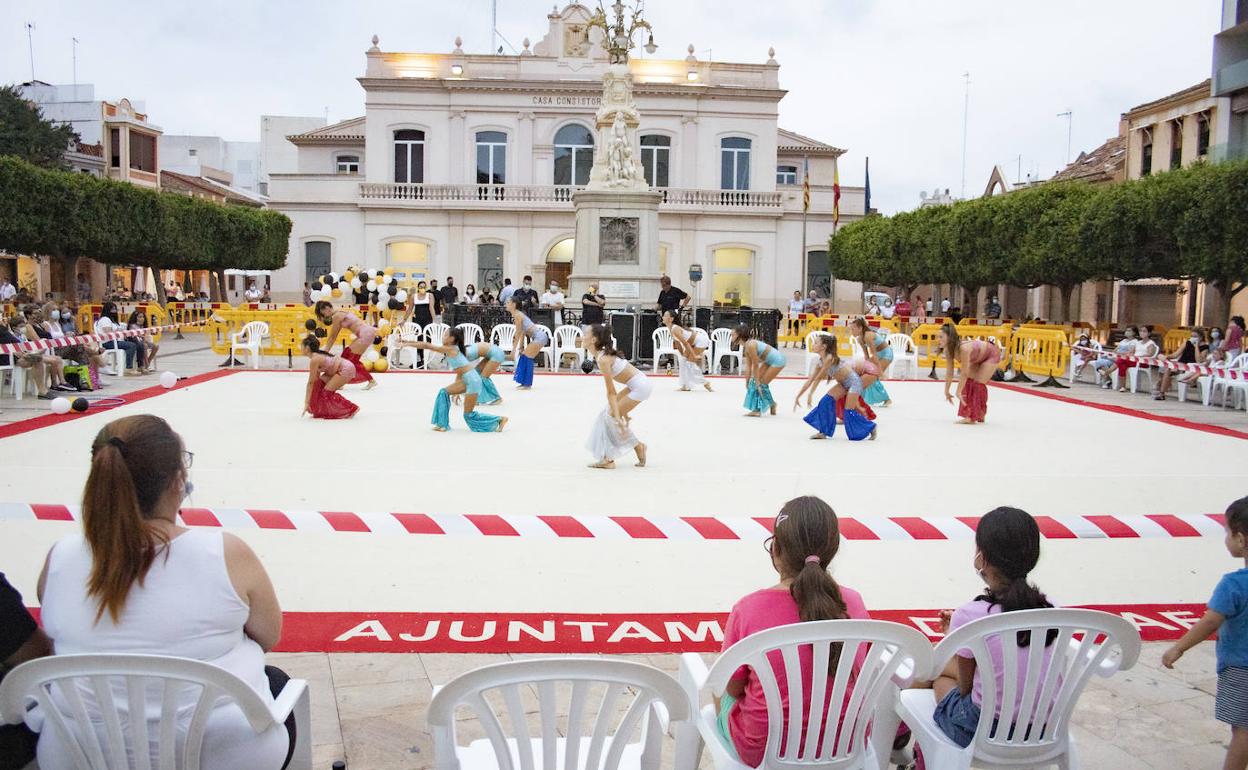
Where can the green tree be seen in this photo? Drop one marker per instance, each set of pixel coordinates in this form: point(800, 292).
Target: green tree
point(1212, 230)
point(1048, 245)
point(26, 135)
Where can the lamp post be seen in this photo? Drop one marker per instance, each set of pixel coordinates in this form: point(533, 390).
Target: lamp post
point(618, 34)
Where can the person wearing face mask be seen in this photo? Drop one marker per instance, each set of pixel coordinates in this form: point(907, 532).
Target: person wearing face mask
point(470, 295)
point(1082, 355)
point(135, 581)
point(450, 294)
point(1144, 348)
point(1103, 365)
point(553, 298)
point(1194, 351)
point(525, 297)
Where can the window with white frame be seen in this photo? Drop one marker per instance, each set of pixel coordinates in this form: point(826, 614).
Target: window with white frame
point(786, 174)
point(409, 155)
point(347, 164)
point(317, 257)
point(656, 153)
point(574, 155)
point(734, 163)
point(491, 157)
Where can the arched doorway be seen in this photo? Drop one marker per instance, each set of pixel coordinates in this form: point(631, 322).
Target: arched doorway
point(559, 262)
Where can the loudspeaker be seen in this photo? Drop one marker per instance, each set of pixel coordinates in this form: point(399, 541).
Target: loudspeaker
point(649, 321)
point(624, 329)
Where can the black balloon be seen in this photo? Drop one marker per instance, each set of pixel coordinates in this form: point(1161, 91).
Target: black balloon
point(377, 340)
point(393, 289)
point(310, 324)
point(396, 305)
point(80, 405)
point(321, 333)
point(384, 351)
point(317, 286)
point(587, 366)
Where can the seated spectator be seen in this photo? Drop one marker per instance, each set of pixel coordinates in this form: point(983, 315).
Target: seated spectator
point(33, 363)
point(68, 320)
point(136, 582)
point(134, 352)
point(1194, 351)
point(487, 298)
point(20, 640)
point(80, 355)
point(1126, 347)
point(1082, 358)
point(1144, 348)
point(33, 329)
point(805, 541)
point(138, 320)
point(1007, 548)
point(1215, 341)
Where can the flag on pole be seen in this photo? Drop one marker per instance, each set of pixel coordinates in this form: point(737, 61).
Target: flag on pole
point(805, 184)
point(836, 196)
point(866, 207)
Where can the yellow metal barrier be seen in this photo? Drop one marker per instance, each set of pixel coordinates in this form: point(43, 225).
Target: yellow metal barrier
point(1045, 352)
point(1174, 339)
point(927, 340)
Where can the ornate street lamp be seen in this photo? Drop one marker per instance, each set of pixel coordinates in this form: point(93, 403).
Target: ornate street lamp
point(617, 36)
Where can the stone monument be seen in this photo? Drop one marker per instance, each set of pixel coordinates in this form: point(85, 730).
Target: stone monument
point(617, 214)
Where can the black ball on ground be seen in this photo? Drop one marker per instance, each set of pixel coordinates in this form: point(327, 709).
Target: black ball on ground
point(587, 366)
point(310, 324)
point(80, 404)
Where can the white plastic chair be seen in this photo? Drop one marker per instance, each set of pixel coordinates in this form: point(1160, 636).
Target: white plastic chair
point(102, 691)
point(905, 355)
point(1133, 376)
point(408, 332)
point(473, 335)
point(549, 347)
point(1223, 381)
point(250, 340)
point(115, 360)
point(721, 348)
point(504, 335)
point(433, 334)
point(15, 377)
point(661, 338)
point(1070, 374)
point(891, 654)
point(568, 343)
point(632, 689)
point(1033, 726)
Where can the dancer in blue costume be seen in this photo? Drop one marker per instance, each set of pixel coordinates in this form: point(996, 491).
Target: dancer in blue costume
point(846, 384)
point(490, 357)
point(467, 383)
point(875, 347)
point(763, 363)
point(538, 339)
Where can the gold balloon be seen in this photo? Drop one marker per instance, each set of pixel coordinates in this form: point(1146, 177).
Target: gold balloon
point(336, 292)
point(380, 365)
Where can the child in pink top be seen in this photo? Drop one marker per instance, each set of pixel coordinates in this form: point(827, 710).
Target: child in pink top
point(1007, 548)
point(805, 540)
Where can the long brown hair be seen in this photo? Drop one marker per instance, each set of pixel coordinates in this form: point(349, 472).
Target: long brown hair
point(807, 527)
point(134, 460)
point(955, 341)
point(603, 343)
point(830, 349)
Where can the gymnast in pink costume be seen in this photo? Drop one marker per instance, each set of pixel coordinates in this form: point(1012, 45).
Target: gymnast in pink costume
point(976, 360)
point(326, 376)
point(337, 320)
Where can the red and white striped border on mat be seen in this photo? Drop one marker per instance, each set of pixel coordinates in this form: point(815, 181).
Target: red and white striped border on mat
point(1061, 527)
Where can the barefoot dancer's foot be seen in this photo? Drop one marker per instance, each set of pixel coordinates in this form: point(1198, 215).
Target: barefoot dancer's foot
point(371, 384)
point(773, 409)
point(439, 429)
point(640, 449)
point(965, 421)
point(888, 403)
point(753, 414)
point(605, 464)
point(873, 432)
point(683, 390)
point(817, 436)
point(502, 424)
point(708, 387)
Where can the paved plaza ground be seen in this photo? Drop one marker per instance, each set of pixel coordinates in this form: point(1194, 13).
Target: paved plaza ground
point(577, 540)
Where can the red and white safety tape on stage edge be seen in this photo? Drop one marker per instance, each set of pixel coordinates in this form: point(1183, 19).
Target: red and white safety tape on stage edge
point(1165, 363)
point(36, 346)
point(884, 528)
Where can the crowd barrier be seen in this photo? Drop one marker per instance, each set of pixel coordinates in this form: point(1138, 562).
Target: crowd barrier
point(157, 318)
point(1045, 352)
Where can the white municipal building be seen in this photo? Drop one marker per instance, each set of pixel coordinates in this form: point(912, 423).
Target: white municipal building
point(464, 165)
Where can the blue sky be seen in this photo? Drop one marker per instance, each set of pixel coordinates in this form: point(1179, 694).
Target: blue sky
point(881, 78)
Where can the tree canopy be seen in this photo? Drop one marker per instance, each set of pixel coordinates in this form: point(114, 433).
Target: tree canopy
point(25, 134)
point(1188, 223)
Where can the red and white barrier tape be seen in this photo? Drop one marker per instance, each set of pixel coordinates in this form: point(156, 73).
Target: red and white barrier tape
point(86, 339)
point(1165, 363)
point(889, 528)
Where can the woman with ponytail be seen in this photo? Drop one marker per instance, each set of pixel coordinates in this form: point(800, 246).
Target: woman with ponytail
point(467, 383)
point(612, 434)
point(842, 401)
point(362, 334)
point(135, 581)
point(976, 361)
point(805, 539)
point(1007, 548)
point(326, 377)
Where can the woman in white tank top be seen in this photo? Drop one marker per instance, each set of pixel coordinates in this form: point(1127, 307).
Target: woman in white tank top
point(611, 435)
point(192, 593)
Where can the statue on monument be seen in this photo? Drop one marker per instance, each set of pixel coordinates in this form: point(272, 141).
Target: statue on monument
point(620, 170)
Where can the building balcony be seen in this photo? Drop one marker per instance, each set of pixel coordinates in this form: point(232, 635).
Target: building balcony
point(556, 198)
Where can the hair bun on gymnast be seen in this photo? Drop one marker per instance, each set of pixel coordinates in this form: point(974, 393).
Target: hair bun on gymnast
point(312, 344)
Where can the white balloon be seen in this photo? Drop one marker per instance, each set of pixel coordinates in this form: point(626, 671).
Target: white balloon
point(370, 355)
point(168, 380)
point(372, 286)
point(356, 283)
point(333, 278)
point(60, 405)
point(401, 296)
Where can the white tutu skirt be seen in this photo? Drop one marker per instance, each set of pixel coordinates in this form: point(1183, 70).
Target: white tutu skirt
point(691, 374)
point(606, 440)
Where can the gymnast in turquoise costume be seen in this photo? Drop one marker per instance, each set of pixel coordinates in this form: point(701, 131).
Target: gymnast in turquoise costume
point(847, 385)
point(763, 363)
point(875, 347)
point(537, 337)
point(490, 357)
point(467, 383)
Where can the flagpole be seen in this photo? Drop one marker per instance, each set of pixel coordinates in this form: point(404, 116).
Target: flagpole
point(805, 208)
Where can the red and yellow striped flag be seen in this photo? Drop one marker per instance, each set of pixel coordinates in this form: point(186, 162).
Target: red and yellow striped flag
point(805, 185)
point(836, 195)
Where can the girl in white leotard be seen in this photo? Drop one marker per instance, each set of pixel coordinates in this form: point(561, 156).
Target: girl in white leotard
point(611, 435)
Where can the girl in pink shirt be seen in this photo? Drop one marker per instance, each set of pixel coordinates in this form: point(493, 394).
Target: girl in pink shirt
point(805, 539)
point(326, 376)
point(363, 337)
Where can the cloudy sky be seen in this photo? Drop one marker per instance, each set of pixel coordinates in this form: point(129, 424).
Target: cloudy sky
point(882, 78)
